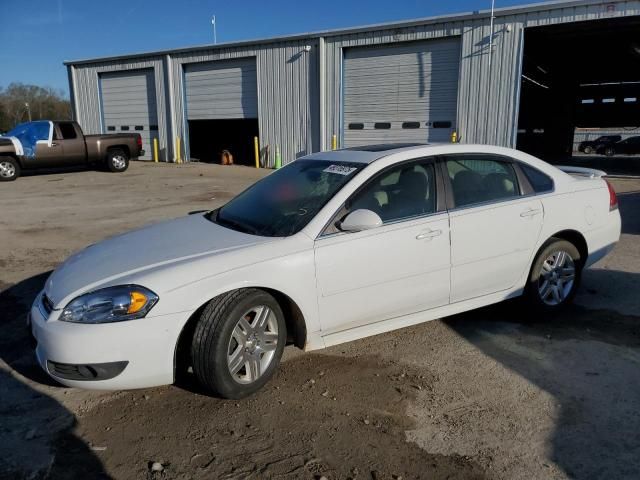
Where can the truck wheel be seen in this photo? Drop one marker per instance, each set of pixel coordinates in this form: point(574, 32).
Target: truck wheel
point(117, 160)
point(9, 169)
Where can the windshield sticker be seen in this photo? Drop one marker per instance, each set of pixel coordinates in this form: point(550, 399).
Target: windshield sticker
point(340, 170)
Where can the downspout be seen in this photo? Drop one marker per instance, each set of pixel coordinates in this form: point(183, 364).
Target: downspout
point(71, 71)
point(489, 79)
point(171, 132)
point(322, 91)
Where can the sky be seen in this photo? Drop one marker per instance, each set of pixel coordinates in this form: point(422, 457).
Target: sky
point(38, 35)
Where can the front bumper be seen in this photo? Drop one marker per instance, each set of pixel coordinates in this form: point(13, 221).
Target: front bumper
point(132, 354)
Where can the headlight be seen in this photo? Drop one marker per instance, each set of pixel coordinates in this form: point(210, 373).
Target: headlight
point(112, 304)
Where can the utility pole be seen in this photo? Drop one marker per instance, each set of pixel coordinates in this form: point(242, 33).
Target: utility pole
point(213, 22)
point(26, 105)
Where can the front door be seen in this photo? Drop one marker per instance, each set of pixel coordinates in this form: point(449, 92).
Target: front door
point(398, 268)
point(493, 227)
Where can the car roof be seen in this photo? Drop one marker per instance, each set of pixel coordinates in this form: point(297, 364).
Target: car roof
point(364, 153)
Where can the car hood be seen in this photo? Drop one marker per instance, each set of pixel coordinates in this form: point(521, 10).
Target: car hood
point(141, 250)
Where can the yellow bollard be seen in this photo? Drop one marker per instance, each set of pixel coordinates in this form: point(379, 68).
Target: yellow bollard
point(334, 142)
point(454, 137)
point(155, 150)
point(178, 151)
point(256, 150)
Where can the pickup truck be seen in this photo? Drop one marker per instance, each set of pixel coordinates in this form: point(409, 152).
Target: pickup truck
point(47, 144)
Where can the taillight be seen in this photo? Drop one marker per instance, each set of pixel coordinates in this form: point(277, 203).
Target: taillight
point(139, 140)
point(613, 199)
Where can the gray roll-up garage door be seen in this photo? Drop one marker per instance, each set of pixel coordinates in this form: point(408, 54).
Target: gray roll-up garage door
point(401, 93)
point(221, 90)
point(129, 105)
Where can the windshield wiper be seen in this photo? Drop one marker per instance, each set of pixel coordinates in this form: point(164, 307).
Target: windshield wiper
point(235, 225)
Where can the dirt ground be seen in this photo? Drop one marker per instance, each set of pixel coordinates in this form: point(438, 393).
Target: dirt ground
point(491, 394)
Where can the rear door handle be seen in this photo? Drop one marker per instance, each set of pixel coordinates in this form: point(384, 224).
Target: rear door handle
point(530, 213)
point(54, 144)
point(429, 234)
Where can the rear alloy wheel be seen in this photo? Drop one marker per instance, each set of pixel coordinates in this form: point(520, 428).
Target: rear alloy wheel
point(9, 169)
point(555, 275)
point(117, 160)
point(238, 343)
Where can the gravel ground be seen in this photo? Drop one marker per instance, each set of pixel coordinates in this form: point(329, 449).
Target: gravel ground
point(492, 393)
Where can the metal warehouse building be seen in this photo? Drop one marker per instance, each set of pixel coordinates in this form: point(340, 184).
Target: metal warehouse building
point(526, 77)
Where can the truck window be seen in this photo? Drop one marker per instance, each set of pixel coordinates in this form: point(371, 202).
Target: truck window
point(67, 131)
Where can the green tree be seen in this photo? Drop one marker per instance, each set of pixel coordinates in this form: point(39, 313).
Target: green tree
point(18, 101)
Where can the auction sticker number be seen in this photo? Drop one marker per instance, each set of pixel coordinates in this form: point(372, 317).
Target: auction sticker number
point(340, 170)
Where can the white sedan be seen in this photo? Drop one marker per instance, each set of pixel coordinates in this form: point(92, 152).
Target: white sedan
point(333, 247)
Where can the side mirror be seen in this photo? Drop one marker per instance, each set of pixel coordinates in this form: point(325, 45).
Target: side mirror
point(360, 220)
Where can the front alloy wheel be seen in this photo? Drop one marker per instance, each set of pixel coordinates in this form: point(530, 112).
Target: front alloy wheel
point(253, 343)
point(9, 169)
point(237, 342)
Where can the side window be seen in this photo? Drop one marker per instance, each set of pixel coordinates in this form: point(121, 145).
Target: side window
point(408, 190)
point(475, 179)
point(539, 181)
point(67, 131)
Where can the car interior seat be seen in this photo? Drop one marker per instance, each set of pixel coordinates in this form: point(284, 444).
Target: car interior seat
point(467, 187)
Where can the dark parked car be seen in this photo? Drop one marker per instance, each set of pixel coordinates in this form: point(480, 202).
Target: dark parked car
point(590, 146)
point(628, 146)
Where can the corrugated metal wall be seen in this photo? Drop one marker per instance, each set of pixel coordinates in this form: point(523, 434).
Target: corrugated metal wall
point(288, 76)
point(86, 95)
point(487, 101)
point(287, 94)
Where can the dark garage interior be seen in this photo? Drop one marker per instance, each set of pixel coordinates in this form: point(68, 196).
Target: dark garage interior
point(580, 75)
point(209, 138)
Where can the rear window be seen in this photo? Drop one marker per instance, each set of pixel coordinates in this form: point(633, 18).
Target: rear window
point(539, 181)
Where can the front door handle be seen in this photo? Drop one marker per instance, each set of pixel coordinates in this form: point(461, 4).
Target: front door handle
point(530, 212)
point(54, 144)
point(429, 234)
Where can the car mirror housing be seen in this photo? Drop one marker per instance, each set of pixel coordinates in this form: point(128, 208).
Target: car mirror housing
point(360, 220)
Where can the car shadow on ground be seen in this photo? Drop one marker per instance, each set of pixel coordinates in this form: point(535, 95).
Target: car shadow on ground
point(36, 433)
point(589, 361)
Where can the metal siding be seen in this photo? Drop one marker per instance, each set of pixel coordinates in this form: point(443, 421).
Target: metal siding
point(287, 94)
point(410, 82)
point(487, 101)
point(221, 90)
point(129, 100)
point(287, 89)
point(87, 94)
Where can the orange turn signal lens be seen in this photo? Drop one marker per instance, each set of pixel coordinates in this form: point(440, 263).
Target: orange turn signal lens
point(138, 301)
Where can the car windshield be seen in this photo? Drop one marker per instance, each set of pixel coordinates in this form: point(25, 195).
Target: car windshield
point(284, 202)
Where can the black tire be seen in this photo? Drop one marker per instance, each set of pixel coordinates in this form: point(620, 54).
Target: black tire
point(117, 160)
point(213, 339)
point(609, 151)
point(533, 293)
point(9, 169)
point(588, 150)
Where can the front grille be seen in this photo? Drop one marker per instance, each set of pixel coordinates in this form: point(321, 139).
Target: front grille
point(47, 304)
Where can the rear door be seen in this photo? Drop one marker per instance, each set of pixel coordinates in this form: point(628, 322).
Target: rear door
point(494, 227)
